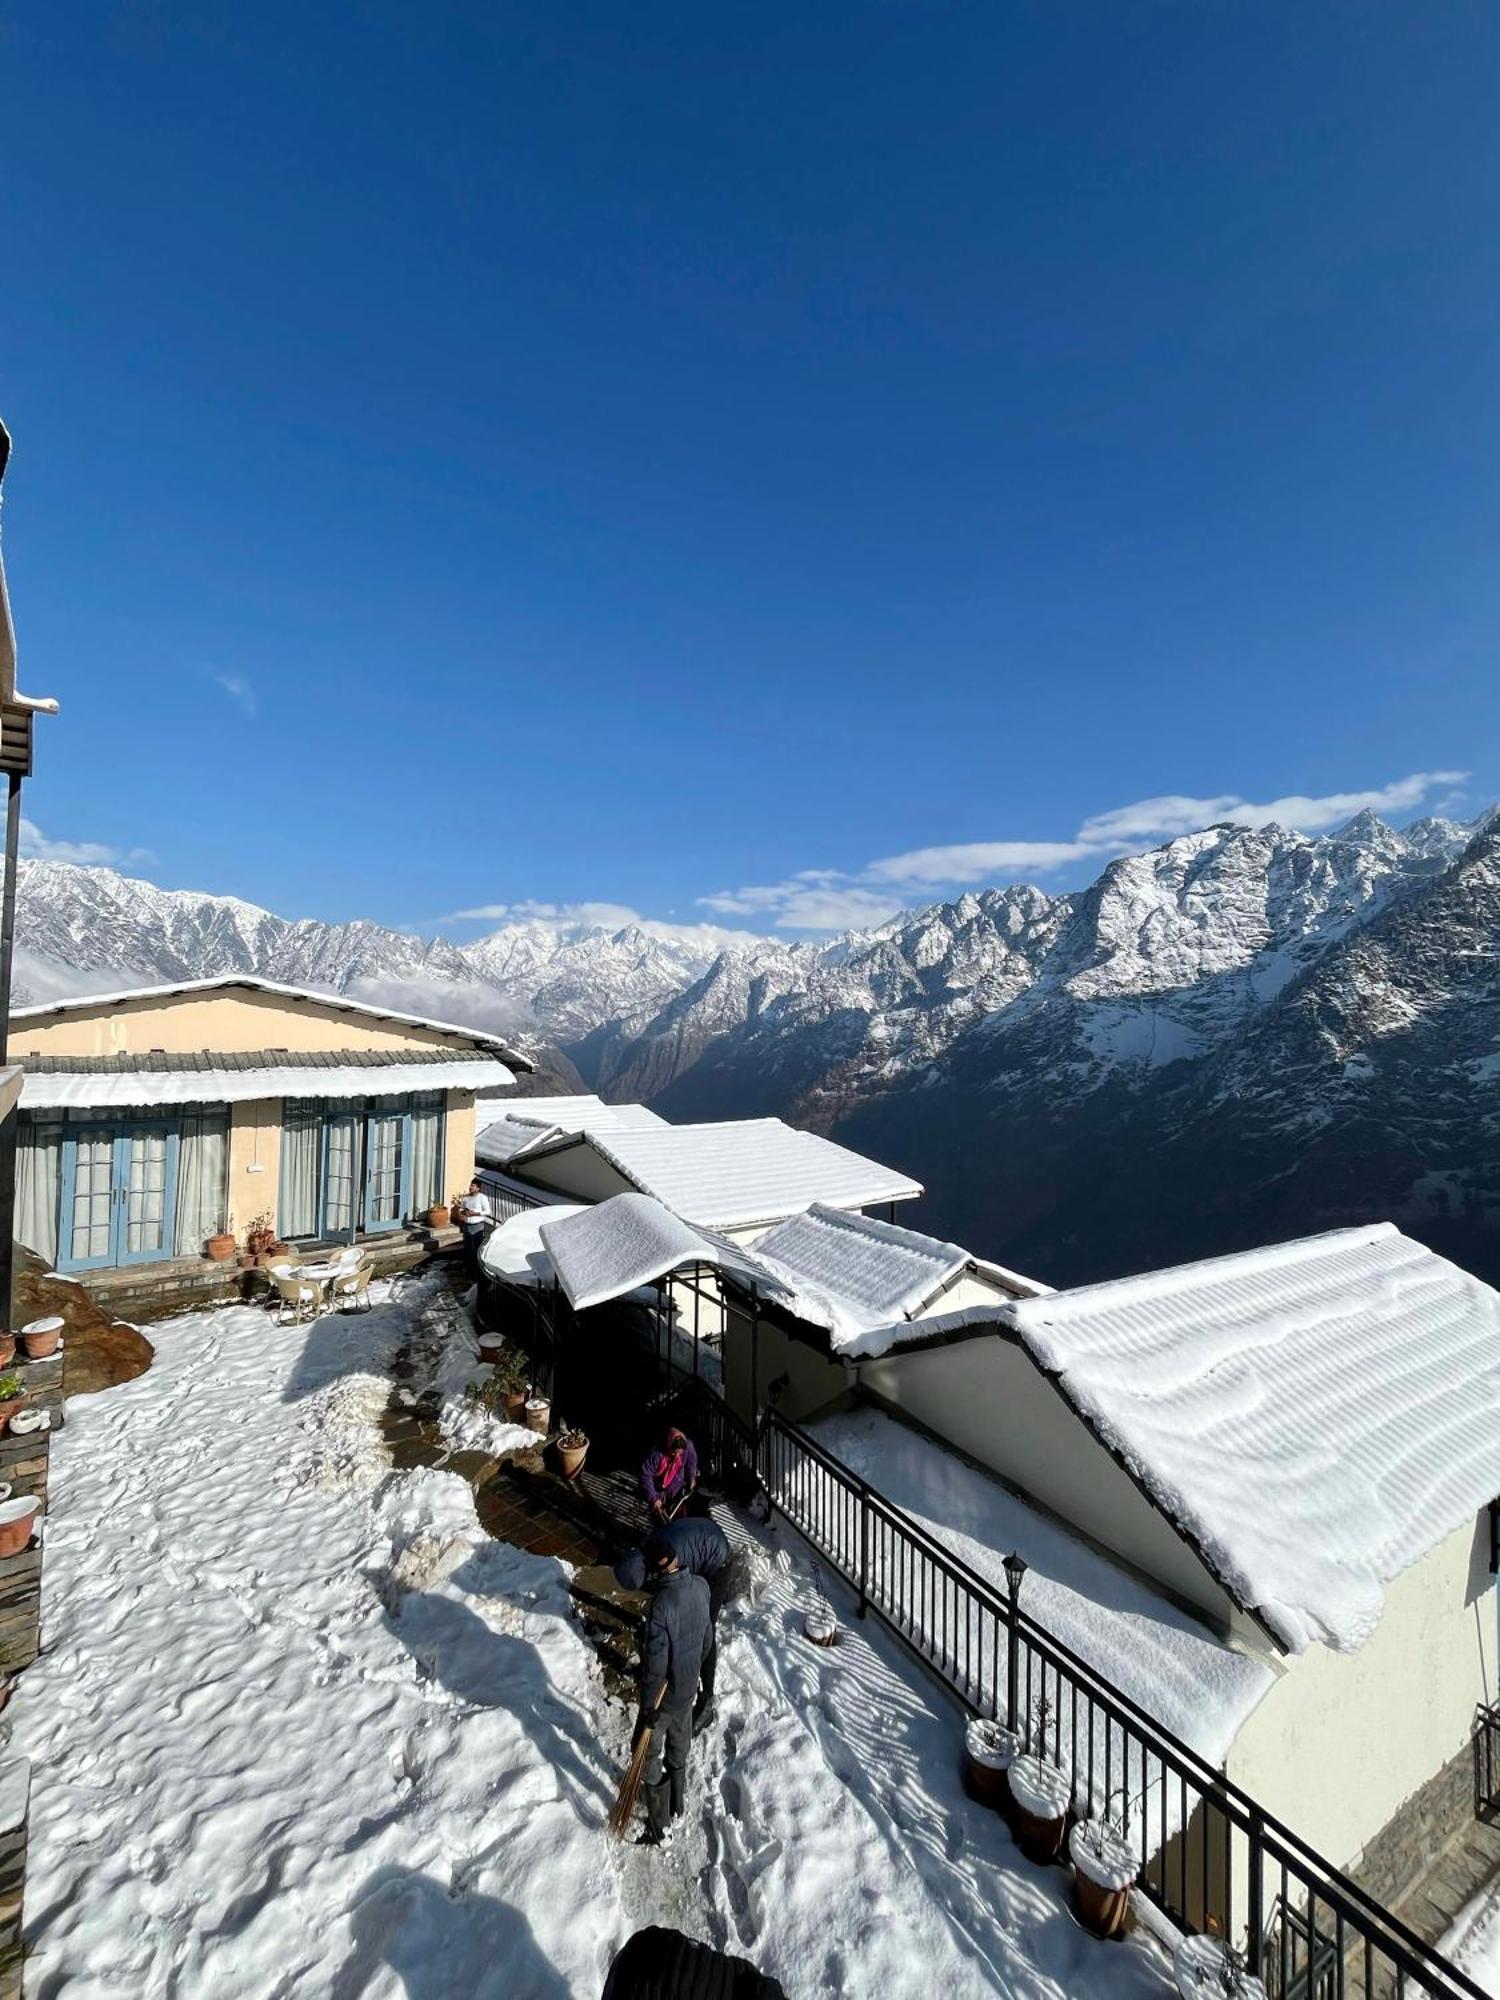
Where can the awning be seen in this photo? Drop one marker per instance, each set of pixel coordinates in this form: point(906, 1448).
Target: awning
point(629, 1241)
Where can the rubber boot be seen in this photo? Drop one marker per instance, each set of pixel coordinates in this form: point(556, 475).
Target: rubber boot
point(658, 1812)
point(677, 1781)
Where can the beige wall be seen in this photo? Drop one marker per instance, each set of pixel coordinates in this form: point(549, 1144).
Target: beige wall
point(816, 1381)
point(234, 1021)
point(1344, 1739)
point(992, 1402)
point(458, 1149)
point(254, 1161)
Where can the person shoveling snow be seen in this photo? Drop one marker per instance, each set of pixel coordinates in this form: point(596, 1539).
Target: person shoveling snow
point(678, 1634)
point(701, 1548)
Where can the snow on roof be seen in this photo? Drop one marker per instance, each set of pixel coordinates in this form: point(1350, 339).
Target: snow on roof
point(83, 1002)
point(626, 1242)
point(529, 1122)
point(91, 1090)
point(514, 1251)
point(743, 1171)
point(1163, 1659)
point(852, 1272)
point(1315, 1416)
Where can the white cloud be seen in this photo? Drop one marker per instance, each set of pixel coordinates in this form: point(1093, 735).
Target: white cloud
point(239, 690)
point(825, 899)
point(36, 846)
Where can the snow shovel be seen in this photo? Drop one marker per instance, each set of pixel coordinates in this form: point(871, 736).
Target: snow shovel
point(623, 1810)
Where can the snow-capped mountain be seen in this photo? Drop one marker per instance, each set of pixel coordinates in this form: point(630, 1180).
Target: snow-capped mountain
point(1086, 1082)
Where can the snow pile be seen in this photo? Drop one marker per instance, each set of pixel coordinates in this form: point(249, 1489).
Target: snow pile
point(469, 1426)
point(1473, 1944)
point(1161, 1658)
point(1316, 1415)
point(341, 1445)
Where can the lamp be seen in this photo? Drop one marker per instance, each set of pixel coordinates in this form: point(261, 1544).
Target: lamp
point(1015, 1568)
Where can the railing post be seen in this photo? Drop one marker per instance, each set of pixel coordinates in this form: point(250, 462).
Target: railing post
point(864, 1548)
point(1255, 1907)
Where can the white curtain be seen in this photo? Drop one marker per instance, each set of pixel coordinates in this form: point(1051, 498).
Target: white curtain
point(39, 1187)
point(202, 1180)
point(426, 1155)
point(301, 1160)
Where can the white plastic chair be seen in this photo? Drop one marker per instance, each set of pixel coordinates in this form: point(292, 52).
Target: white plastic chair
point(351, 1286)
point(299, 1296)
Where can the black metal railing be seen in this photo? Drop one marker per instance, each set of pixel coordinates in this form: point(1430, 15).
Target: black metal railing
point(1487, 1762)
point(1211, 1858)
point(506, 1199)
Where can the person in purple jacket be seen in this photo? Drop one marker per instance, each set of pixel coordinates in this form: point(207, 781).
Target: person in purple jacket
point(669, 1474)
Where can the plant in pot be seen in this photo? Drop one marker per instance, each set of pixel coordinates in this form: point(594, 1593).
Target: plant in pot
point(536, 1414)
point(989, 1751)
point(437, 1217)
point(1105, 1866)
point(1211, 1968)
point(455, 1210)
point(1041, 1792)
point(12, 1396)
point(572, 1450)
point(260, 1233)
point(7, 1347)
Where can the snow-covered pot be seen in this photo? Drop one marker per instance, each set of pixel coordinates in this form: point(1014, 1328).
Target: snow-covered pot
point(989, 1751)
point(538, 1415)
point(40, 1336)
point(1040, 1794)
point(1198, 1967)
point(1104, 1868)
point(17, 1519)
point(821, 1626)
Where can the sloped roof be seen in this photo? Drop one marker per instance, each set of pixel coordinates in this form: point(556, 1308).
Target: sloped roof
point(82, 1003)
point(741, 1172)
point(143, 1089)
point(530, 1122)
point(628, 1241)
point(853, 1272)
point(1315, 1416)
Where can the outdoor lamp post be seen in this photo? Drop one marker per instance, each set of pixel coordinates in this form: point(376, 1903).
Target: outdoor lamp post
point(16, 711)
point(1015, 1569)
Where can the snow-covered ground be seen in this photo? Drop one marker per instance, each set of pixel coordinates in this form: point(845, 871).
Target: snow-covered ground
point(1473, 1944)
point(302, 1729)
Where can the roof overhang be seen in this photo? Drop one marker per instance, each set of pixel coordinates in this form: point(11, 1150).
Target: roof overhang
point(140, 1089)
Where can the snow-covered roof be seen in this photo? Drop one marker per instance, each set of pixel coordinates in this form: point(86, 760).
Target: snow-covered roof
point(82, 1003)
point(514, 1253)
point(530, 1122)
point(741, 1172)
point(1315, 1416)
point(90, 1090)
point(602, 1253)
point(853, 1272)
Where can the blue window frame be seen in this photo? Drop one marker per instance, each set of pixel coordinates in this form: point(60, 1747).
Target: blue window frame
point(361, 1153)
point(119, 1193)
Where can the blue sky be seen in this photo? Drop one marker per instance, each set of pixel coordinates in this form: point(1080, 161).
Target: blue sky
point(696, 459)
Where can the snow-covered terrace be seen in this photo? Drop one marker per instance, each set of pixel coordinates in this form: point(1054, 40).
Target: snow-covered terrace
point(302, 1728)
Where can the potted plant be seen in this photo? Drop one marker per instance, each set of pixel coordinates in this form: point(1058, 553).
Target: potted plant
point(12, 1396)
point(260, 1233)
point(1210, 1968)
point(41, 1337)
point(1041, 1793)
point(7, 1347)
point(989, 1751)
point(455, 1212)
point(437, 1217)
point(572, 1450)
point(1105, 1866)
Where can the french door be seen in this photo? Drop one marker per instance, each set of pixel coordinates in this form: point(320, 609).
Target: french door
point(385, 1169)
point(119, 1195)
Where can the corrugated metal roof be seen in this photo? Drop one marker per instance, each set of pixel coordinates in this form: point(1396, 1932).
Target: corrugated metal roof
point(862, 1272)
point(531, 1122)
point(1316, 1416)
point(159, 1062)
point(741, 1172)
point(146, 1089)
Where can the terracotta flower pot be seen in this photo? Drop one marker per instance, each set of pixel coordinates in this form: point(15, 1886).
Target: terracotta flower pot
point(513, 1402)
point(17, 1520)
point(989, 1751)
point(1104, 1871)
point(570, 1457)
point(40, 1337)
point(455, 1215)
point(1040, 1793)
point(537, 1415)
point(8, 1409)
point(7, 1348)
point(437, 1217)
point(221, 1247)
point(274, 1253)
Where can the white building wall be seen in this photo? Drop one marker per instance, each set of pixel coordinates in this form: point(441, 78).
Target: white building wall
point(1344, 1739)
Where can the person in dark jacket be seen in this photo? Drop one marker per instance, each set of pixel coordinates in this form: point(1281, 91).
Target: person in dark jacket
point(701, 1548)
point(669, 1474)
point(673, 1643)
point(658, 1964)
